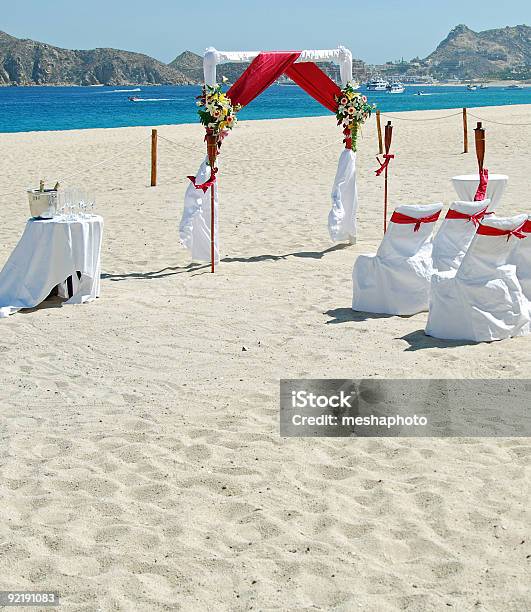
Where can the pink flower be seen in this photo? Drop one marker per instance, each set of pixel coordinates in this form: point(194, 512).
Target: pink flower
point(344, 101)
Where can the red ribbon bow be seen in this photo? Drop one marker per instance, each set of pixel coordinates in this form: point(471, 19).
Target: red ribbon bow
point(397, 217)
point(383, 165)
point(207, 184)
point(475, 218)
point(487, 230)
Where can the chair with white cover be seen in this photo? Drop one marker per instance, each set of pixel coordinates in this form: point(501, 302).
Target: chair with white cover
point(453, 238)
point(521, 257)
point(484, 300)
point(396, 279)
point(466, 185)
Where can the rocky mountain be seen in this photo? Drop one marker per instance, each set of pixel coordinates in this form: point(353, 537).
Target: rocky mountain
point(27, 62)
point(504, 52)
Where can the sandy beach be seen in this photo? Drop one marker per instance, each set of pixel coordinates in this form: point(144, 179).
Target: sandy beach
point(141, 466)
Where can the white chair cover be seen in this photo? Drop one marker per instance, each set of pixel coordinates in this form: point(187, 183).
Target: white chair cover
point(521, 257)
point(452, 240)
point(194, 229)
point(466, 185)
point(396, 279)
point(484, 300)
point(342, 215)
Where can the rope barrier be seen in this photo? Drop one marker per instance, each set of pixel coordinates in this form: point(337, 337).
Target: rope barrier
point(101, 163)
point(498, 122)
point(261, 159)
point(427, 119)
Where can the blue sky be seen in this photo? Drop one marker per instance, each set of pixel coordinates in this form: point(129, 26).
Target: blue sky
point(375, 30)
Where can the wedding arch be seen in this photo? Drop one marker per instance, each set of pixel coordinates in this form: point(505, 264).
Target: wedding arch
point(199, 227)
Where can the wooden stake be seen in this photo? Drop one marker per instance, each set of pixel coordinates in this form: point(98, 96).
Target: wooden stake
point(153, 158)
point(379, 127)
point(479, 133)
point(465, 132)
point(212, 152)
point(388, 138)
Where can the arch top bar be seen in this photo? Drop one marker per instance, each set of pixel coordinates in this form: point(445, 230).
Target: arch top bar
point(341, 56)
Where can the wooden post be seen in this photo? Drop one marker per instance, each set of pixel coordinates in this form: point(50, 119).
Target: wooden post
point(153, 158)
point(479, 133)
point(388, 138)
point(212, 153)
point(465, 132)
point(379, 128)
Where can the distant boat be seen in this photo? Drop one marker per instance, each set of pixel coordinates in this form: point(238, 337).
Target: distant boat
point(377, 85)
point(421, 93)
point(514, 87)
point(134, 99)
point(483, 86)
point(471, 87)
point(396, 88)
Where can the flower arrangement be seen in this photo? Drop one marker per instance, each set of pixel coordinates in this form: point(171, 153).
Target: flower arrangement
point(216, 111)
point(353, 110)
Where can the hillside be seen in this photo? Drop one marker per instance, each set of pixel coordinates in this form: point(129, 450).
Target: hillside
point(27, 62)
point(504, 52)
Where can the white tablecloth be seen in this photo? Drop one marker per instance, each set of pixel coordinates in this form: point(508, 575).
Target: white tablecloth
point(50, 251)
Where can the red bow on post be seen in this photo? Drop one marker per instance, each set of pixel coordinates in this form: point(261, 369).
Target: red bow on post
point(204, 186)
point(487, 230)
point(383, 165)
point(475, 218)
point(401, 219)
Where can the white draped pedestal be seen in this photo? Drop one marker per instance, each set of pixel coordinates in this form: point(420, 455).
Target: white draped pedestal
point(466, 185)
point(47, 254)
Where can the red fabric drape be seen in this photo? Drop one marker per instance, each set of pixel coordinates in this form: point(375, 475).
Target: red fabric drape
point(481, 192)
point(263, 71)
point(315, 82)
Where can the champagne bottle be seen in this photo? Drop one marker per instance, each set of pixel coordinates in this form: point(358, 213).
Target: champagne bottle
point(41, 186)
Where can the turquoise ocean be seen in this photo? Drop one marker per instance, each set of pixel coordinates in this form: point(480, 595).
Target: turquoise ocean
point(24, 109)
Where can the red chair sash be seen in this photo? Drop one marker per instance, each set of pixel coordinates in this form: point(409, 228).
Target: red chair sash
point(487, 230)
point(526, 227)
point(397, 217)
point(475, 218)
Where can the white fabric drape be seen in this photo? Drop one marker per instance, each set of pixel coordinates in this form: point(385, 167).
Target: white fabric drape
point(452, 240)
point(342, 216)
point(396, 279)
point(484, 300)
point(194, 229)
point(48, 252)
point(521, 258)
point(467, 184)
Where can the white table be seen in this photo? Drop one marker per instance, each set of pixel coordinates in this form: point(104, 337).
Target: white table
point(467, 184)
point(49, 252)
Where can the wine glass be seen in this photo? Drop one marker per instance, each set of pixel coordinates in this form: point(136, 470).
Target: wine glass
point(91, 202)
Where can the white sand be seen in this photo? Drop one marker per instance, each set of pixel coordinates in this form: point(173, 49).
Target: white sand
point(140, 462)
